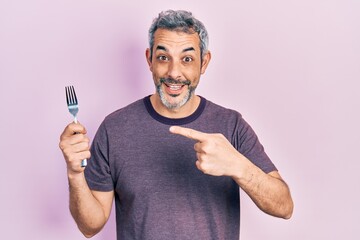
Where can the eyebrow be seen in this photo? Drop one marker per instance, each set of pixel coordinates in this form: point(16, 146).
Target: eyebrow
point(159, 47)
point(188, 49)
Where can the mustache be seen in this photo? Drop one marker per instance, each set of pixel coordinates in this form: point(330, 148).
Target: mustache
point(173, 81)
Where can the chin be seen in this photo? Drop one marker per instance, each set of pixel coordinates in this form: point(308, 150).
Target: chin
point(174, 101)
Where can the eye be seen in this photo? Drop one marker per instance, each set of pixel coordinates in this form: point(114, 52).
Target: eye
point(187, 59)
point(162, 58)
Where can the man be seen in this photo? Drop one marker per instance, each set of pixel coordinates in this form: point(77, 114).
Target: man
point(173, 161)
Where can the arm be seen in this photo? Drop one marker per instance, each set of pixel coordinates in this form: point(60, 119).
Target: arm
point(217, 157)
point(90, 209)
point(268, 191)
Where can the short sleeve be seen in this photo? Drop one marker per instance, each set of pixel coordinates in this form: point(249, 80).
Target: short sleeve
point(250, 146)
point(97, 172)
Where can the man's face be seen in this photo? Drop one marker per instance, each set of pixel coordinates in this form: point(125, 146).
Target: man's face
point(176, 66)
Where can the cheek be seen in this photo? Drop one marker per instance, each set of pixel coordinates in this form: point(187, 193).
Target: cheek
point(159, 70)
point(192, 74)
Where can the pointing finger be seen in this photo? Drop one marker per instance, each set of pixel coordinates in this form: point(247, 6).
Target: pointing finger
point(189, 133)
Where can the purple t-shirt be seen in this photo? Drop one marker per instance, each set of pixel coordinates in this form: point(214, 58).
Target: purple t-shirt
point(159, 192)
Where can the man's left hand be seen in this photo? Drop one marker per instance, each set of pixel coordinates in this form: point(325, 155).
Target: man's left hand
point(215, 155)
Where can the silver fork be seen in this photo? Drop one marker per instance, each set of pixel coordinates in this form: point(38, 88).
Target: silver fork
point(73, 107)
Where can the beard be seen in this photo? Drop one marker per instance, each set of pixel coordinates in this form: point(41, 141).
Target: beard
point(176, 104)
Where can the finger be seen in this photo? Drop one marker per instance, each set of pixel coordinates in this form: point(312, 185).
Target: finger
point(72, 140)
point(80, 147)
point(198, 165)
point(189, 133)
point(77, 138)
point(84, 155)
point(73, 128)
point(198, 147)
point(74, 160)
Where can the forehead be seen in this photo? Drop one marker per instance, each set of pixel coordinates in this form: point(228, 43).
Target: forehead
point(176, 39)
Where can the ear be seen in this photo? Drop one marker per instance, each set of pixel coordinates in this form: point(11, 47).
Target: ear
point(147, 55)
point(205, 61)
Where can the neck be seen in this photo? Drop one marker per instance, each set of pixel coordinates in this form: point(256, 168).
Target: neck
point(184, 111)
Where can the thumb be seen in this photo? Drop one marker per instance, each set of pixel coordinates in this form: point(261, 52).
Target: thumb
point(73, 128)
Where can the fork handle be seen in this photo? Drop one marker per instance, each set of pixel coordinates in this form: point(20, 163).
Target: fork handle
point(84, 162)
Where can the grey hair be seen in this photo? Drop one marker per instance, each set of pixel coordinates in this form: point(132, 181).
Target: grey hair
point(182, 21)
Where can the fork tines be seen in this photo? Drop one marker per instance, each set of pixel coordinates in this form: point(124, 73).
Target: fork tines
point(71, 96)
point(71, 101)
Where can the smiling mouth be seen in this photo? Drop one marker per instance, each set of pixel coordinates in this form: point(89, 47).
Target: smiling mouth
point(174, 87)
point(173, 90)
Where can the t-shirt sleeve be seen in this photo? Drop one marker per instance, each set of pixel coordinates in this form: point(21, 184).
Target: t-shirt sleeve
point(250, 146)
point(97, 172)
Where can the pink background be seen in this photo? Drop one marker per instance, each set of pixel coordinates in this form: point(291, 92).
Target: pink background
point(292, 68)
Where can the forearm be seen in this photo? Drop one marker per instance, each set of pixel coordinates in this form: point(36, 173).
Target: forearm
point(85, 209)
point(268, 191)
point(217, 157)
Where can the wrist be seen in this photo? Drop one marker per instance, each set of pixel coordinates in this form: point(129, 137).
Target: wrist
point(239, 168)
point(75, 176)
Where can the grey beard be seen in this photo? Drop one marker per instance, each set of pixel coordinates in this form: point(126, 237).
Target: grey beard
point(178, 104)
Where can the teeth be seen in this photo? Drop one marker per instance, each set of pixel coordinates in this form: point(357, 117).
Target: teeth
point(175, 87)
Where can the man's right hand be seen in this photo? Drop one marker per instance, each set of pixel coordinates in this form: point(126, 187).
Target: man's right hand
point(75, 146)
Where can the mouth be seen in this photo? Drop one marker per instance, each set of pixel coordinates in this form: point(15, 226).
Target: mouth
point(174, 88)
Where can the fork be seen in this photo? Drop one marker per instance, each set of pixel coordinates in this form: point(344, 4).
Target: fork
point(73, 107)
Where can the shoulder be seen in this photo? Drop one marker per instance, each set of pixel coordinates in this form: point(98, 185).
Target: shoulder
point(221, 113)
point(220, 119)
point(133, 110)
point(132, 107)
point(124, 116)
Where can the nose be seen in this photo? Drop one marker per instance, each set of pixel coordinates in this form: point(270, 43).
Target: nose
point(174, 70)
